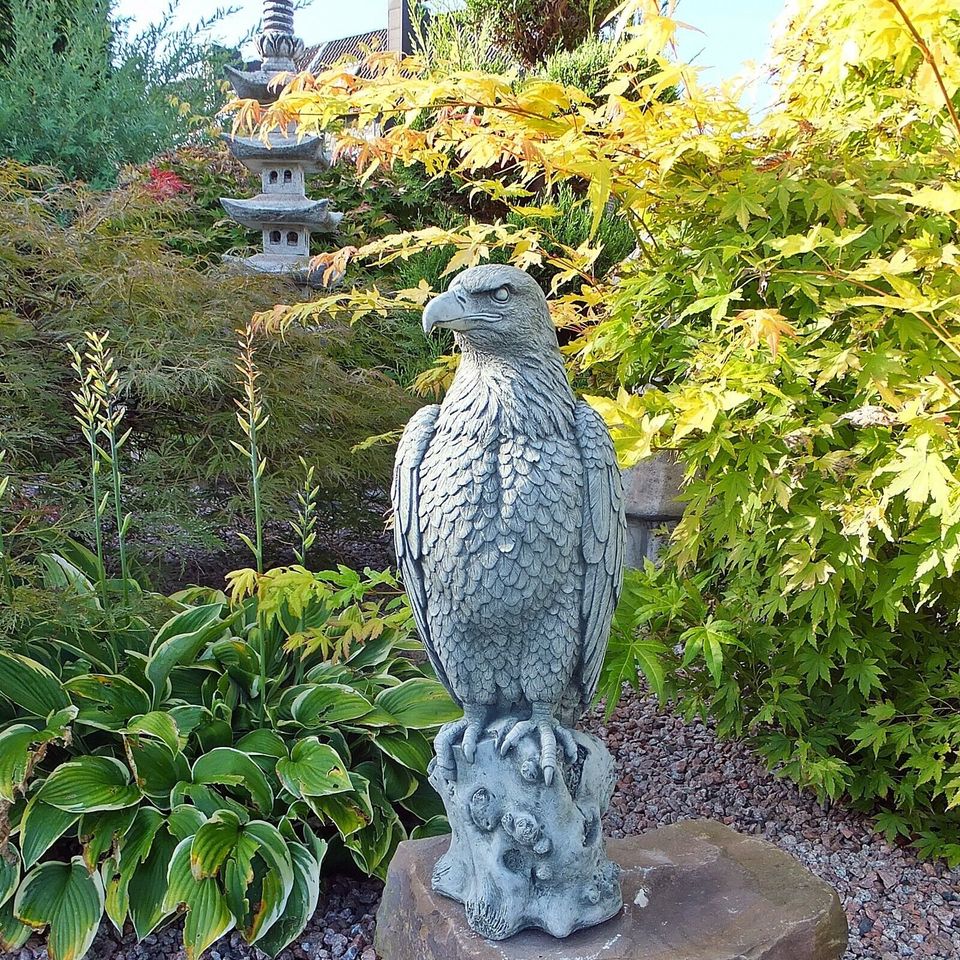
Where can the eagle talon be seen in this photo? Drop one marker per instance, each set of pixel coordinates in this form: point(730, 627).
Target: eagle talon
point(467, 730)
point(549, 730)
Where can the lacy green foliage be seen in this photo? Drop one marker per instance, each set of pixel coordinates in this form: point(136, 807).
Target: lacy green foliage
point(213, 764)
point(531, 30)
point(83, 94)
point(191, 180)
point(72, 261)
point(570, 226)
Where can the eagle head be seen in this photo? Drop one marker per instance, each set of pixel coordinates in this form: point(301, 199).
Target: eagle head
point(494, 309)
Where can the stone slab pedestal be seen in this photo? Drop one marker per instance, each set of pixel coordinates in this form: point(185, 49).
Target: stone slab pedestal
point(692, 891)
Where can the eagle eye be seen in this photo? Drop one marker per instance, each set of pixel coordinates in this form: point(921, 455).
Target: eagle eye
point(501, 294)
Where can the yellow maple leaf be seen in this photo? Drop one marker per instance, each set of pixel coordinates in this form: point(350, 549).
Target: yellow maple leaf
point(766, 324)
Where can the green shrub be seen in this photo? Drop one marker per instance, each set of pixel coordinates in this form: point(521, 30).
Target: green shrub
point(453, 38)
point(794, 333)
point(531, 30)
point(586, 67)
point(213, 764)
point(71, 261)
point(77, 91)
point(570, 227)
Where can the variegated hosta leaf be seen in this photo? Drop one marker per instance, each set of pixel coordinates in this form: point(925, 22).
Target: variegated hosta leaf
point(88, 784)
point(261, 859)
point(67, 898)
point(179, 640)
point(9, 872)
point(300, 905)
point(314, 769)
point(419, 704)
point(208, 917)
point(213, 843)
point(107, 701)
point(157, 724)
point(42, 825)
point(13, 933)
point(30, 685)
point(230, 767)
point(329, 703)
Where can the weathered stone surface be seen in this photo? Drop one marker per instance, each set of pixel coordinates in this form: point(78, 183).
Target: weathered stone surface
point(525, 853)
point(510, 533)
point(650, 491)
point(651, 488)
point(692, 891)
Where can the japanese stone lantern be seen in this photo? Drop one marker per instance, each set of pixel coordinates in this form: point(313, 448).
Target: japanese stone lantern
point(282, 212)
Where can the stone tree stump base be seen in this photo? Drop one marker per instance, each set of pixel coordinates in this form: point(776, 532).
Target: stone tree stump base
point(692, 891)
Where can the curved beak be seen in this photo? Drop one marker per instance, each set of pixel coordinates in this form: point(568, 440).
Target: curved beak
point(445, 311)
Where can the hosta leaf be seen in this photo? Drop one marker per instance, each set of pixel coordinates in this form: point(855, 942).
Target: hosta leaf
point(263, 742)
point(188, 717)
point(271, 846)
point(178, 641)
point(184, 821)
point(156, 769)
point(89, 784)
point(41, 827)
point(31, 685)
point(225, 765)
point(419, 704)
point(148, 886)
point(301, 903)
point(372, 846)
point(135, 847)
point(107, 701)
point(68, 898)
point(139, 839)
point(9, 873)
point(15, 752)
point(349, 812)
point(21, 744)
point(156, 724)
point(274, 893)
point(13, 933)
point(213, 843)
point(206, 801)
point(207, 918)
point(413, 750)
point(398, 782)
point(258, 878)
point(99, 831)
point(424, 802)
point(314, 769)
point(329, 703)
point(434, 827)
point(371, 654)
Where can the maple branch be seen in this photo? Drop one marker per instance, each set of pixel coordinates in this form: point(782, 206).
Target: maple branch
point(928, 56)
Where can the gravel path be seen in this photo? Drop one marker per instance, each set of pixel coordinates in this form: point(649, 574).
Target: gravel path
point(897, 905)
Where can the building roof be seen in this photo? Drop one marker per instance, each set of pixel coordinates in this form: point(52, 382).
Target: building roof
point(323, 56)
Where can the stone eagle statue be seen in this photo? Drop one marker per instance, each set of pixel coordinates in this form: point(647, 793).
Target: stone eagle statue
point(509, 524)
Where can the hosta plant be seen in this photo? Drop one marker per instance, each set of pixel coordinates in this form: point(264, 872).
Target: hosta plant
point(210, 768)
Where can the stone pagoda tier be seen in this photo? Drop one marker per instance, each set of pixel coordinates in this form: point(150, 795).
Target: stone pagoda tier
point(282, 212)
